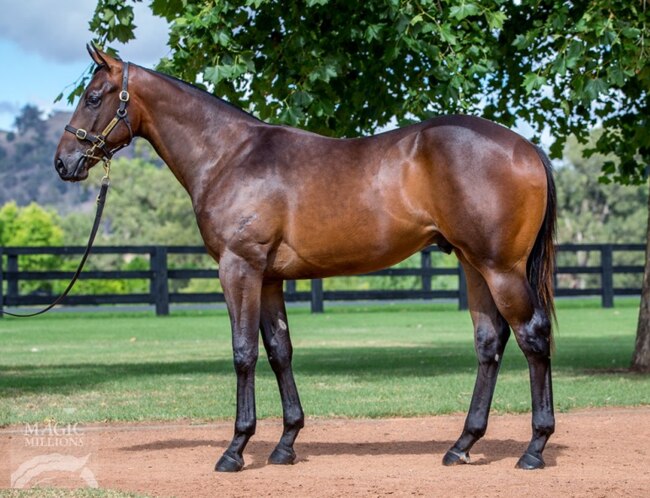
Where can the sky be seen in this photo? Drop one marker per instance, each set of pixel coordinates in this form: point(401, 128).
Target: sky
point(43, 50)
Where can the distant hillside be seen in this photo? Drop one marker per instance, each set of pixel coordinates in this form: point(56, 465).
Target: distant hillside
point(27, 164)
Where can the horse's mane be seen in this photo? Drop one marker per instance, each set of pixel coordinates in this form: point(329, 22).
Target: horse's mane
point(201, 93)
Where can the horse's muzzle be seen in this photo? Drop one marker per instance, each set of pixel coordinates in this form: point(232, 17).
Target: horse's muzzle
point(76, 173)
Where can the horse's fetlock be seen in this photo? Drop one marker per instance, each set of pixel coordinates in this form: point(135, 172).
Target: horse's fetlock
point(476, 428)
point(544, 425)
point(246, 428)
point(294, 419)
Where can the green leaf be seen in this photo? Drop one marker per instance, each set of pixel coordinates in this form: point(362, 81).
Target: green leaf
point(616, 75)
point(632, 33)
point(495, 19)
point(533, 81)
point(324, 73)
point(301, 99)
point(373, 32)
point(446, 34)
point(222, 38)
point(595, 87)
point(464, 10)
point(311, 3)
point(521, 41)
point(218, 73)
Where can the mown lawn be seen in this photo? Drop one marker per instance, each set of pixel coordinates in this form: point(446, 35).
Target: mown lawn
point(401, 360)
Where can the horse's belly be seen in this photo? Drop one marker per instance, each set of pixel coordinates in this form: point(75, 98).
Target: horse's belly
point(347, 253)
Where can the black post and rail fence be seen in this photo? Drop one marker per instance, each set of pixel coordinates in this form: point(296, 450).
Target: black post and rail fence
point(160, 274)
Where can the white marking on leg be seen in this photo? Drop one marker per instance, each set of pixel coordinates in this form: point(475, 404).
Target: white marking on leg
point(496, 358)
point(282, 325)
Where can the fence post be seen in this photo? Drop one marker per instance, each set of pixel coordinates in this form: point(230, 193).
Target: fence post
point(2, 294)
point(317, 295)
point(425, 263)
point(12, 281)
point(607, 277)
point(463, 304)
point(159, 281)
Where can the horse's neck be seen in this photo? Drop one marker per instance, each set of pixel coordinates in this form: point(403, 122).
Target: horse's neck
point(193, 133)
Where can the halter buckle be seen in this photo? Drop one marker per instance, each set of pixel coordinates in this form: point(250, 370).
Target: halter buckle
point(81, 134)
point(124, 96)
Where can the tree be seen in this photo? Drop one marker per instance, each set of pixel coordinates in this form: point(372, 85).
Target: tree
point(592, 212)
point(30, 119)
point(31, 226)
point(346, 68)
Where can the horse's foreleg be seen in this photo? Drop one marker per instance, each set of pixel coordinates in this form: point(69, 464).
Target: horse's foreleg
point(242, 289)
point(491, 334)
point(275, 334)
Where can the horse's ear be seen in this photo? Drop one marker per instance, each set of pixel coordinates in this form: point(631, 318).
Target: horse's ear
point(100, 57)
point(95, 54)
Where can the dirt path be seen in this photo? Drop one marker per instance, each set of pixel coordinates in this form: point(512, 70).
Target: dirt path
point(593, 453)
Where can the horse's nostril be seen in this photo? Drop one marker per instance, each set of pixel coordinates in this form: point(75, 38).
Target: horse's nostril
point(60, 166)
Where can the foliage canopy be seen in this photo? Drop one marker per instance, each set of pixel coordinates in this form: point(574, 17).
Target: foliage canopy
point(347, 68)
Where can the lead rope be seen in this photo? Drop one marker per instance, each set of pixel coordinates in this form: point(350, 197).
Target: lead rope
point(101, 200)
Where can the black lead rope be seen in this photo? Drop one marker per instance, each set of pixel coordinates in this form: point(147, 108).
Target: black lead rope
point(101, 200)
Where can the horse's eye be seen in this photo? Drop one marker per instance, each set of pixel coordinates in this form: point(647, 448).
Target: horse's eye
point(93, 100)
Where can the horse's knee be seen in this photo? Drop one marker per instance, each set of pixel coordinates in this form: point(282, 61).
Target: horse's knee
point(245, 359)
point(534, 337)
point(279, 356)
point(490, 342)
point(279, 349)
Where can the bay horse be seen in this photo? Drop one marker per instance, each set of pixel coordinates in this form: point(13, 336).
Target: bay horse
point(275, 203)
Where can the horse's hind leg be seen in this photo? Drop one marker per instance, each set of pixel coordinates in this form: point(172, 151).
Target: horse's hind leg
point(518, 304)
point(275, 334)
point(491, 334)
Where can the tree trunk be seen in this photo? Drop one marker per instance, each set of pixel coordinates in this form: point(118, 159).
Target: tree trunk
point(641, 358)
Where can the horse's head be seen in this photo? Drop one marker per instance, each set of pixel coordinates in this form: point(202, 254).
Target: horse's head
point(101, 123)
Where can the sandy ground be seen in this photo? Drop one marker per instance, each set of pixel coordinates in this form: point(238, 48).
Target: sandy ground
point(595, 453)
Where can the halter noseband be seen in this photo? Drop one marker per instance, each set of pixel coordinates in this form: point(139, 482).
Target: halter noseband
point(99, 141)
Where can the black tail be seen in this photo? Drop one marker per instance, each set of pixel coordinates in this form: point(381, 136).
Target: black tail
point(541, 262)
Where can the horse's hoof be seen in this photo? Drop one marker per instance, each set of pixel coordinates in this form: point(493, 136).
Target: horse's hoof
point(282, 455)
point(228, 463)
point(455, 457)
point(530, 462)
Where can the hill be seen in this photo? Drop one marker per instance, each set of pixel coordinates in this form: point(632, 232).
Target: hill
point(27, 163)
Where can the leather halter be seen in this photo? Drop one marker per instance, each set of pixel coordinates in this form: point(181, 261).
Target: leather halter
point(98, 142)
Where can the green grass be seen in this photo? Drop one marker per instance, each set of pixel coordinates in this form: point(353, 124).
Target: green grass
point(403, 360)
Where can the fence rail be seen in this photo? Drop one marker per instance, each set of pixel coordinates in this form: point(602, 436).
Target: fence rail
point(159, 275)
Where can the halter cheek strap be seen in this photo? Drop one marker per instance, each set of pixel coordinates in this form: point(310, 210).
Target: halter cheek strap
point(98, 142)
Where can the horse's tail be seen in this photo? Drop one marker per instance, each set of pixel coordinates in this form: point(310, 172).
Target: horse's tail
point(541, 262)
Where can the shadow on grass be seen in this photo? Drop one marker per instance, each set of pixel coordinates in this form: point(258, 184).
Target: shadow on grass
point(593, 356)
point(360, 362)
